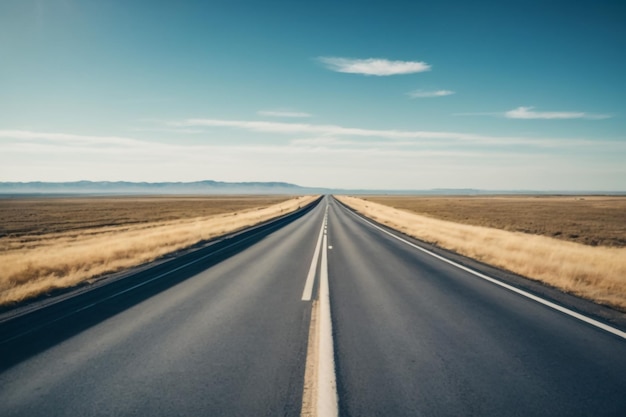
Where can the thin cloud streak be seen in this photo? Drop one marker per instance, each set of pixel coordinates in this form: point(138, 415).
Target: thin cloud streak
point(329, 130)
point(194, 152)
point(528, 113)
point(334, 130)
point(430, 94)
point(279, 113)
point(373, 66)
point(69, 138)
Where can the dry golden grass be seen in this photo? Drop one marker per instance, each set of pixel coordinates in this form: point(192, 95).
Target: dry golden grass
point(592, 220)
point(34, 263)
point(596, 273)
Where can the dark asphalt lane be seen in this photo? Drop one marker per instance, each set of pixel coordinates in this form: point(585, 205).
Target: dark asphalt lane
point(228, 341)
point(415, 336)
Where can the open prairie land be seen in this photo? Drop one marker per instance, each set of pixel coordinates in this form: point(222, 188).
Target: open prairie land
point(594, 272)
point(35, 216)
point(591, 220)
point(50, 243)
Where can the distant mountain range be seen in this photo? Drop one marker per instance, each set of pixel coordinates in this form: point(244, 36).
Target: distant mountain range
point(219, 187)
point(124, 187)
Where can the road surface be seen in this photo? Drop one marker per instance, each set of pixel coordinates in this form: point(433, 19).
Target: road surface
point(409, 335)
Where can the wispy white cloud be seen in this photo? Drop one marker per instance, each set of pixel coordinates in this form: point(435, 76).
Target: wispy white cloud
point(528, 113)
point(69, 145)
point(430, 94)
point(282, 113)
point(64, 145)
point(68, 138)
point(327, 130)
point(373, 66)
point(340, 131)
point(401, 148)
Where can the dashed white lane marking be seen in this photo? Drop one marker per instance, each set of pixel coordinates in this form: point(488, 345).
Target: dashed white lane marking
point(523, 293)
point(310, 279)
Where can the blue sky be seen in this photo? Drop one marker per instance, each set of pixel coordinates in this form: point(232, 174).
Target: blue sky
point(357, 94)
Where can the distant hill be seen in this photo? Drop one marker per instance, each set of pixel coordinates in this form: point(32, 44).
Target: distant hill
point(123, 187)
point(219, 187)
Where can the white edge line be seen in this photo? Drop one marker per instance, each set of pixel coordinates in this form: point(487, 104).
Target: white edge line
point(540, 300)
point(327, 403)
point(310, 279)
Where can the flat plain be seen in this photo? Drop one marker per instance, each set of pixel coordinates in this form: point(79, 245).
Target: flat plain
point(51, 243)
point(590, 220)
point(35, 216)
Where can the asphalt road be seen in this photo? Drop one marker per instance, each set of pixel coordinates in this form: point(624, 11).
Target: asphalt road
point(415, 336)
point(412, 336)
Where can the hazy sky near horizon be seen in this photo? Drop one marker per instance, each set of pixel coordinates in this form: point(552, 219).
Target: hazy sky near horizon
point(350, 94)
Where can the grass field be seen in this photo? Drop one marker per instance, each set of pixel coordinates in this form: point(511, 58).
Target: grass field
point(594, 220)
point(35, 216)
point(597, 273)
point(49, 243)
